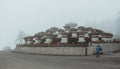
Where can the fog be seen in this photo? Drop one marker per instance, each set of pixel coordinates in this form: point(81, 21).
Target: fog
point(32, 16)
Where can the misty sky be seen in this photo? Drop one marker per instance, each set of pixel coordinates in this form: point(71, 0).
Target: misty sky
point(33, 16)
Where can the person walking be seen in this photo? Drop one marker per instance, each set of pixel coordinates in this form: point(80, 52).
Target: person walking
point(98, 51)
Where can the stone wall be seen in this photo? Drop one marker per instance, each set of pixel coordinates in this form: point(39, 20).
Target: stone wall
point(55, 50)
point(107, 47)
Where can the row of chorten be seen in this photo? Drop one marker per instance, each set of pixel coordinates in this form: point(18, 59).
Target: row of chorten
point(70, 34)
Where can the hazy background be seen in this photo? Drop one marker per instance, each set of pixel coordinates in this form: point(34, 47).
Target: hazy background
point(33, 16)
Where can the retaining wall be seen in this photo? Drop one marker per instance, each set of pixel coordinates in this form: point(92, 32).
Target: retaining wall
point(55, 50)
point(107, 47)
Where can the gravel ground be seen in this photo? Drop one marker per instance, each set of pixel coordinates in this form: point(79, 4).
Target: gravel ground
point(29, 61)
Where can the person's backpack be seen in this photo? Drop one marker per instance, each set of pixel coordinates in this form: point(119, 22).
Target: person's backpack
point(100, 49)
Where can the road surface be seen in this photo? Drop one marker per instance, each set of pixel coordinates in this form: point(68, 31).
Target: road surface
point(29, 61)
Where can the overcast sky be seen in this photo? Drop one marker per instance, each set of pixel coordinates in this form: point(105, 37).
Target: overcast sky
point(33, 16)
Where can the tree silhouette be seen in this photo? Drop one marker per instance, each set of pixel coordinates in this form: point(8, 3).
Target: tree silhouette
point(20, 37)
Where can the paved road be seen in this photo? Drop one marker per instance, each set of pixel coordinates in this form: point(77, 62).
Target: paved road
point(28, 61)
